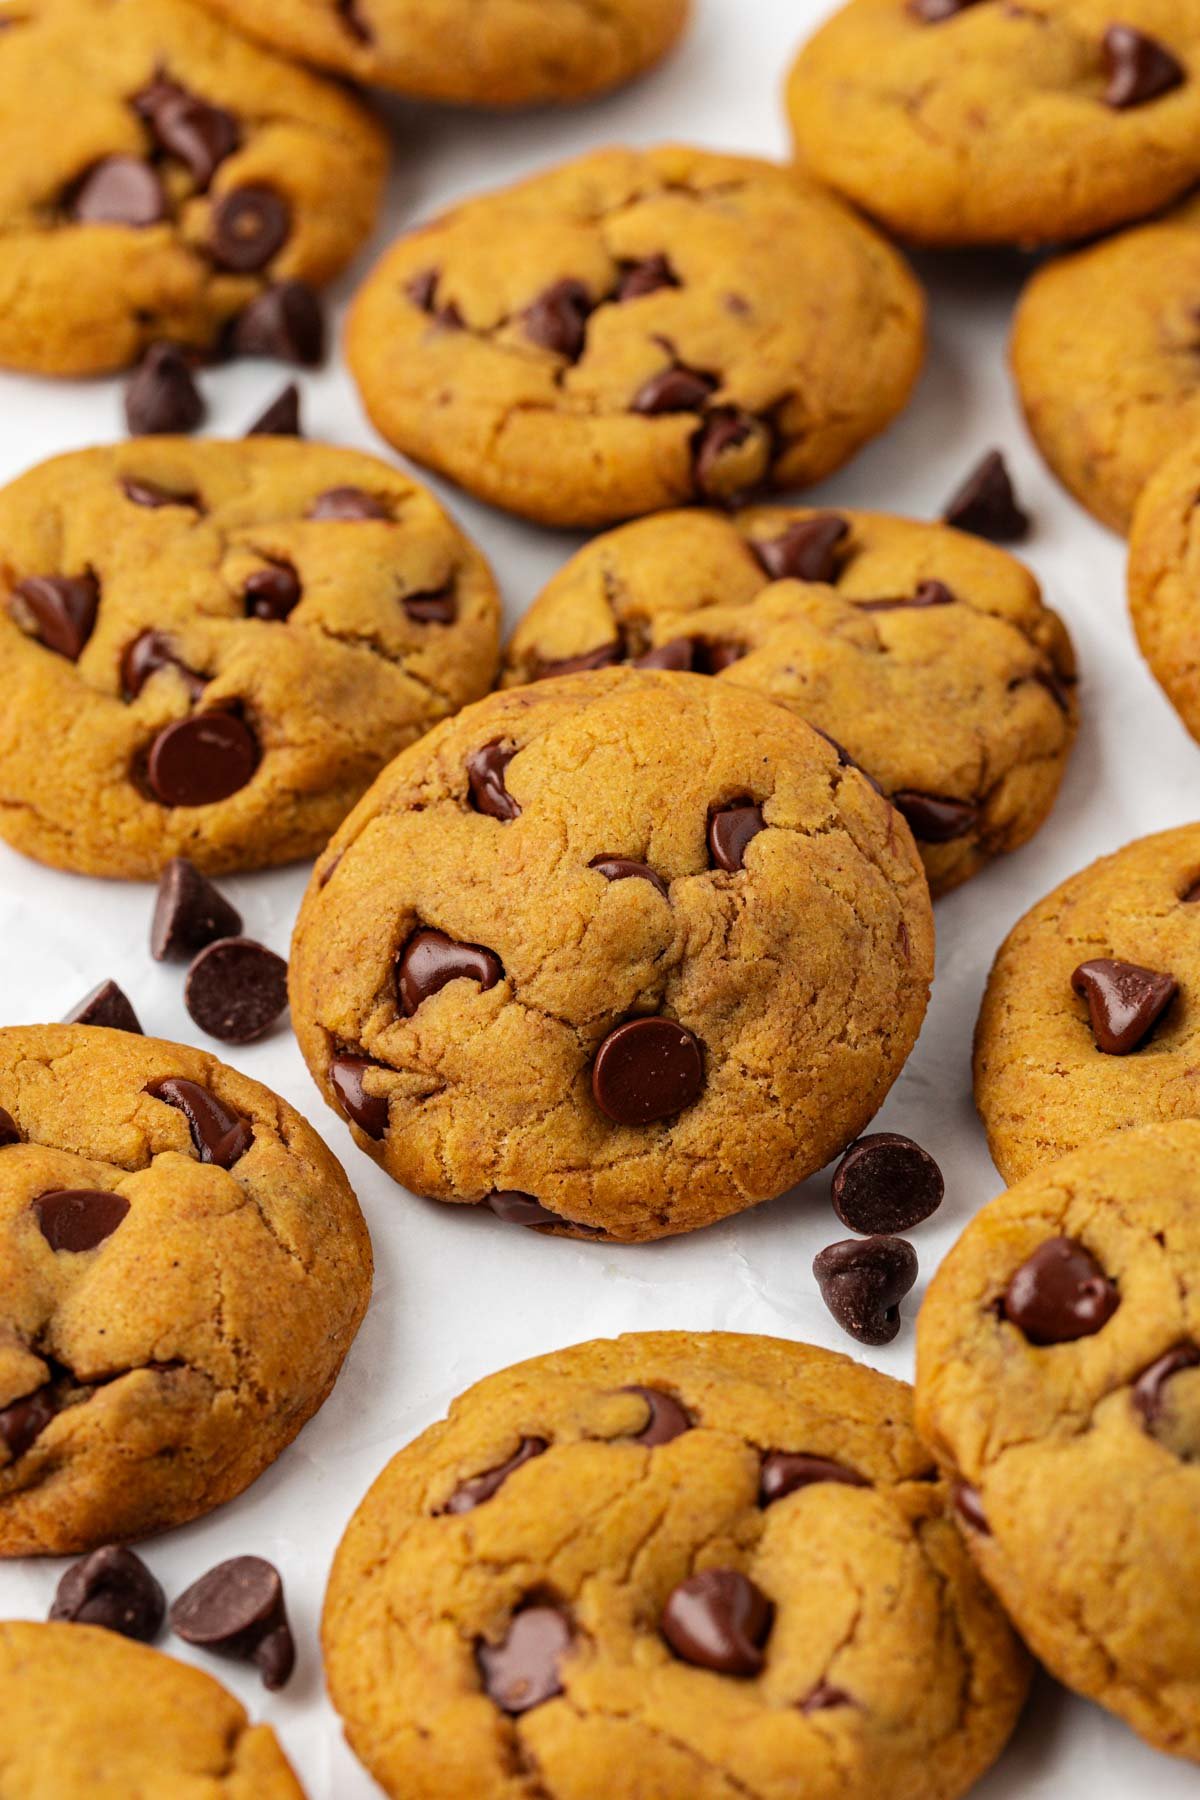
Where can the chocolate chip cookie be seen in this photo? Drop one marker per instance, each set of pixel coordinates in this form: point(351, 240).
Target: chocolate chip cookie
point(726, 1562)
point(1089, 1022)
point(158, 176)
point(472, 52)
point(182, 1269)
point(636, 330)
point(926, 655)
point(90, 1716)
point(1164, 556)
point(980, 121)
point(620, 953)
point(1058, 1380)
point(211, 649)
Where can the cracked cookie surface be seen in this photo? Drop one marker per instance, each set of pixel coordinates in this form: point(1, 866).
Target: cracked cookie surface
point(645, 1460)
point(157, 174)
point(927, 655)
point(472, 52)
point(1062, 1386)
point(182, 1273)
point(1164, 579)
point(635, 945)
point(636, 330)
point(213, 648)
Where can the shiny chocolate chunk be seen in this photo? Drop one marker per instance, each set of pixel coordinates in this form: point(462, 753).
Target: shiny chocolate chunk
point(719, 1620)
point(886, 1184)
point(78, 1219)
point(368, 1111)
point(1059, 1294)
point(731, 829)
point(238, 1610)
point(1125, 1002)
point(647, 1070)
point(220, 1135)
point(189, 912)
point(58, 610)
point(473, 1492)
point(236, 990)
point(201, 760)
point(249, 226)
point(430, 959)
point(114, 1589)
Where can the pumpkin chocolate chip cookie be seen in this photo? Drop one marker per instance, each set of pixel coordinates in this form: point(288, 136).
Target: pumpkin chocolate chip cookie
point(212, 649)
point(925, 654)
point(636, 330)
point(182, 1269)
point(621, 953)
point(726, 1562)
point(1164, 561)
point(982, 121)
point(159, 176)
point(1058, 1380)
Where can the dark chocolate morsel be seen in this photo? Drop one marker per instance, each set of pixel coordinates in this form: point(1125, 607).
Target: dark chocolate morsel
point(1125, 1002)
point(284, 322)
point(9, 1130)
point(674, 390)
point(1150, 1386)
point(886, 1184)
point(986, 504)
point(201, 760)
point(368, 1111)
point(666, 1418)
point(521, 1209)
point(78, 1219)
point(603, 657)
point(934, 819)
point(152, 497)
point(436, 606)
point(189, 912)
point(250, 225)
point(236, 989)
point(786, 1471)
point(719, 1620)
point(161, 397)
point(730, 830)
point(238, 1610)
point(1059, 1294)
point(731, 456)
point(824, 1697)
point(647, 1070)
point(349, 505)
point(149, 652)
point(809, 550)
point(120, 190)
point(199, 135)
point(473, 1492)
point(862, 1282)
point(281, 418)
point(524, 1669)
point(23, 1421)
point(1139, 68)
point(646, 277)
point(486, 772)
point(430, 959)
point(557, 320)
point(106, 1005)
point(928, 593)
point(113, 1588)
point(58, 610)
point(272, 593)
point(678, 655)
point(969, 1508)
point(220, 1136)
point(623, 868)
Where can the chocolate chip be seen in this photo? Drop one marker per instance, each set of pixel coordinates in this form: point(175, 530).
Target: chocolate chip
point(201, 760)
point(189, 912)
point(470, 1494)
point(112, 1588)
point(516, 1208)
point(710, 655)
point(272, 594)
point(986, 505)
point(348, 11)
point(808, 550)
point(281, 418)
point(106, 1005)
point(430, 959)
point(368, 1111)
point(863, 1283)
point(149, 652)
point(1125, 1002)
point(237, 1609)
point(886, 1184)
point(150, 495)
point(250, 225)
point(933, 818)
point(349, 505)
point(486, 771)
point(236, 990)
point(22, 1423)
point(666, 1418)
point(647, 1070)
point(719, 1620)
point(969, 1507)
point(523, 1670)
point(730, 829)
point(285, 322)
point(78, 1219)
point(787, 1471)
point(438, 606)
point(677, 390)
point(731, 456)
point(1138, 68)
point(603, 657)
point(162, 396)
point(934, 12)
point(220, 1136)
point(677, 655)
point(59, 610)
point(199, 135)
point(824, 1697)
point(623, 868)
point(422, 291)
point(1149, 1388)
point(557, 320)
point(928, 593)
point(1059, 1294)
point(121, 190)
point(9, 1130)
point(646, 277)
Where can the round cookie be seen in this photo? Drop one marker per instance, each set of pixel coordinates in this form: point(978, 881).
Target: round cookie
point(925, 654)
point(211, 649)
point(1164, 558)
point(183, 1267)
point(508, 1594)
point(1104, 354)
point(472, 52)
point(624, 953)
point(158, 174)
point(1089, 1023)
point(91, 1716)
point(981, 122)
point(1058, 1379)
point(636, 330)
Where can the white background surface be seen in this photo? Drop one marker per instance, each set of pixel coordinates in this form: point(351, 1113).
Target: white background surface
point(459, 1294)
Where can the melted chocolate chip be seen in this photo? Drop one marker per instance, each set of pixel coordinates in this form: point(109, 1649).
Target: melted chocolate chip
point(112, 1588)
point(238, 1610)
point(272, 594)
point(863, 1283)
point(678, 655)
point(220, 1135)
point(675, 390)
point(23, 1422)
point(121, 190)
point(646, 277)
point(189, 912)
point(666, 1418)
point(885, 1184)
point(933, 818)
point(787, 1471)
point(928, 593)
point(349, 505)
point(437, 606)
point(486, 771)
point(986, 504)
point(1139, 68)
point(285, 322)
point(1150, 1388)
point(730, 830)
point(719, 1620)
point(1125, 1002)
point(250, 225)
point(623, 868)
point(368, 1111)
point(58, 610)
point(935, 12)
point(430, 959)
point(201, 760)
point(281, 418)
point(106, 1005)
point(422, 290)
point(149, 652)
point(711, 656)
point(603, 657)
point(236, 990)
point(969, 1506)
point(474, 1492)
point(78, 1219)
point(557, 320)
point(1059, 1294)
point(515, 1208)
point(731, 456)
point(809, 550)
point(151, 496)
point(199, 135)
point(647, 1070)
point(523, 1670)
point(9, 1130)
point(162, 397)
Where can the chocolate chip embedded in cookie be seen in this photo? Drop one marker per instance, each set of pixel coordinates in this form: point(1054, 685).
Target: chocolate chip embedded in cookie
point(506, 346)
point(185, 1267)
point(727, 1601)
point(555, 971)
point(1058, 1380)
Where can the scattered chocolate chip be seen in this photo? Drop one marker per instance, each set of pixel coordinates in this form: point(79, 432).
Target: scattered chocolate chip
point(472, 1493)
point(59, 610)
point(430, 959)
point(666, 1418)
point(148, 494)
point(719, 1620)
point(603, 657)
point(1059, 1294)
point(1138, 67)
point(281, 418)
point(646, 1070)
point(863, 1282)
point(623, 868)
point(675, 390)
point(284, 322)
point(121, 190)
point(78, 1219)
point(149, 652)
point(201, 760)
point(220, 1136)
point(516, 1208)
point(557, 320)
point(162, 396)
point(678, 656)
point(787, 1471)
point(934, 819)
point(523, 1670)
point(113, 1588)
point(9, 1130)
point(272, 594)
point(368, 1111)
point(106, 1005)
point(1150, 1386)
point(935, 12)
point(250, 225)
point(809, 549)
point(349, 505)
point(486, 771)
point(731, 456)
point(236, 989)
point(730, 830)
point(969, 1508)
point(1125, 1002)
point(886, 1184)
point(24, 1421)
point(439, 606)
point(237, 1609)
point(928, 593)
point(646, 277)
point(189, 912)
point(199, 135)
point(986, 505)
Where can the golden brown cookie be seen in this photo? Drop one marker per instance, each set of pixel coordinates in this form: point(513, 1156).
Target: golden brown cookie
point(926, 654)
point(980, 121)
point(471, 52)
point(618, 954)
point(1089, 1023)
point(724, 1562)
point(635, 330)
point(183, 1267)
point(212, 649)
point(158, 174)
point(1058, 1380)
point(1164, 570)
